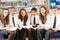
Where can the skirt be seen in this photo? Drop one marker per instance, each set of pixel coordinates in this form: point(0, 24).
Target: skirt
point(4, 32)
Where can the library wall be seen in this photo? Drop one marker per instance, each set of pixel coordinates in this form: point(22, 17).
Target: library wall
point(27, 4)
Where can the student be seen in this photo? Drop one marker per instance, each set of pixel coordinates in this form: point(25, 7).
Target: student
point(13, 22)
point(4, 22)
point(24, 22)
point(43, 17)
point(52, 23)
point(34, 21)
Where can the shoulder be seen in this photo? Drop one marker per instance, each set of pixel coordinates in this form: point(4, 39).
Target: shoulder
point(19, 20)
point(58, 14)
point(10, 16)
point(37, 15)
point(16, 14)
point(49, 16)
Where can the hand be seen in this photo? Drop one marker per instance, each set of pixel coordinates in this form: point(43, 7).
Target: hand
point(7, 27)
point(34, 28)
point(55, 29)
point(20, 28)
point(42, 27)
point(24, 27)
point(2, 28)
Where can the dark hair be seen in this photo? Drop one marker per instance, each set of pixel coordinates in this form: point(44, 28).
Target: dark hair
point(34, 9)
point(7, 17)
point(45, 13)
point(20, 16)
point(55, 7)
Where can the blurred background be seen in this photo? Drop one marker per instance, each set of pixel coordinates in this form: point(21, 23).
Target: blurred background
point(28, 4)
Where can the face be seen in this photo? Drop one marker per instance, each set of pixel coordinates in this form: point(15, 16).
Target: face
point(23, 13)
point(33, 12)
point(5, 13)
point(54, 11)
point(42, 10)
point(13, 10)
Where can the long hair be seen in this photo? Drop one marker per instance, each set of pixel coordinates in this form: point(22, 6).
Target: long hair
point(0, 16)
point(7, 17)
point(42, 15)
point(25, 17)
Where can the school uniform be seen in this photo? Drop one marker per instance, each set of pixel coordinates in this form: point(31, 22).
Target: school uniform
point(52, 22)
point(41, 32)
point(13, 20)
point(34, 20)
point(13, 23)
point(3, 25)
point(24, 30)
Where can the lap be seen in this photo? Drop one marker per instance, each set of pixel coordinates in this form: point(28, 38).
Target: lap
point(4, 32)
point(51, 31)
point(41, 30)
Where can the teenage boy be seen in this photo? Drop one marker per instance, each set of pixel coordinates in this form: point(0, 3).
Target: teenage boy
point(34, 19)
point(52, 23)
point(13, 22)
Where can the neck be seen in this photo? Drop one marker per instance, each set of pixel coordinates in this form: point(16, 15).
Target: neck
point(55, 14)
point(13, 14)
point(33, 15)
point(22, 17)
point(4, 17)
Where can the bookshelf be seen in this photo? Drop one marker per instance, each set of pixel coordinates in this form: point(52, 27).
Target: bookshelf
point(27, 4)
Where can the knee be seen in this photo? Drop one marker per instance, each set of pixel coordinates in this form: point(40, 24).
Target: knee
point(29, 30)
point(48, 32)
point(38, 31)
point(12, 33)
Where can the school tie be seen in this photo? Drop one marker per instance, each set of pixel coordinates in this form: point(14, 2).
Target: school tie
point(54, 25)
point(24, 23)
point(13, 21)
point(4, 22)
point(34, 21)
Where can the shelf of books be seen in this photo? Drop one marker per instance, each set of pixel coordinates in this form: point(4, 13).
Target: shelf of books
point(28, 4)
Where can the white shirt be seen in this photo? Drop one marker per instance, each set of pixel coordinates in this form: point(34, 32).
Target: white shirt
point(15, 20)
point(50, 21)
point(1, 24)
point(37, 19)
point(20, 23)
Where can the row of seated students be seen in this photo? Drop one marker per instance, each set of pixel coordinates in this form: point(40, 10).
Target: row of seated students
point(32, 25)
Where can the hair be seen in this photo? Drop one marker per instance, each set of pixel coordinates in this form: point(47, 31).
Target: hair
point(55, 7)
point(42, 15)
point(34, 9)
point(7, 17)
point(20, 16)
point(0, 16)
point(12, 7)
